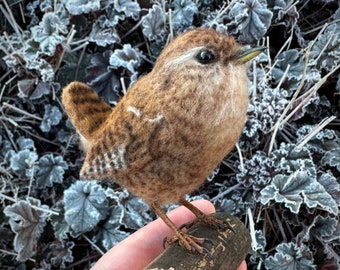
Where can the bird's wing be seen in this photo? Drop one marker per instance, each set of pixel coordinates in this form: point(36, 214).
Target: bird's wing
point(86, 110)
point(123, 142)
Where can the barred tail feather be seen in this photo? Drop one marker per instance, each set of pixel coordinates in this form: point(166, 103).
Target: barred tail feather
point(86, 110)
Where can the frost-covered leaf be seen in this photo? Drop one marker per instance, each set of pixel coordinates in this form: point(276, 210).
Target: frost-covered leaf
point(42, 67)
point(110, 233)
point(136, 213)
point(299, 187)
point(42, 89)
point(51, 170)
point(323, 228)
point(326, 50)
point(27, 224)
point(103, 79)
point(25, 87)
point(234, 204)
point(25, 143)
point(153, 24)
point(257, 171)
point(60, 226)
point(74, 67)
point(128, 7)
point(296, 63)
point(61, 253)
point(47, 33)
point(332, 158)
point(85, 205)
point(77, 7)
point(183, 13)
point(250, 19)
point(286, 9)
point(325, 140)
point(22, 162)
point(52, 117)
point(289, 256)
point(329, 182)
point(127, 58)
point(103, 36)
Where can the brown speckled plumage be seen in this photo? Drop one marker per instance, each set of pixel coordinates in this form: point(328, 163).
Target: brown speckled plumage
point(173, 126)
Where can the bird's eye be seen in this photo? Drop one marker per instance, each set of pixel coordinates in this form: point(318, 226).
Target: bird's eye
point(205, 57)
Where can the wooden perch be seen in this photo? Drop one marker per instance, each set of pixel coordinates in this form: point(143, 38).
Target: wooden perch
point(227, 250)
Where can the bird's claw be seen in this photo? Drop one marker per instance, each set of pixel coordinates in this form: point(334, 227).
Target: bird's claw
point(190, 242)
point(209, 221)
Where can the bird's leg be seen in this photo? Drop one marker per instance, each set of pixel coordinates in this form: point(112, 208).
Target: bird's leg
point(203, 218)
point(190, 242)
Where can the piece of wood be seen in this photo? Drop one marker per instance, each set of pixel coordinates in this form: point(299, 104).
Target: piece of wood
point(225, 252)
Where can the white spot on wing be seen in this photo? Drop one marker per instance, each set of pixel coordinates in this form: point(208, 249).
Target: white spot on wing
point(133, 110)
point(157, 119)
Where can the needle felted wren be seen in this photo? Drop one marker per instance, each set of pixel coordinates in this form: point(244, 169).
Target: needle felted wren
point(173, 126)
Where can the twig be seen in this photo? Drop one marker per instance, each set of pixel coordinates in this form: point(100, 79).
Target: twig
point(5, 104)
point(93, 244)
point(14, 254)
point(316, 129)
point(254, 244)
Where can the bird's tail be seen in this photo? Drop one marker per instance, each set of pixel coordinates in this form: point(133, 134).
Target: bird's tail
point(86, 110)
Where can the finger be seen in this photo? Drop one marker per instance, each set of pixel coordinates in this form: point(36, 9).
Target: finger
point(243, 266)
point(140, 248)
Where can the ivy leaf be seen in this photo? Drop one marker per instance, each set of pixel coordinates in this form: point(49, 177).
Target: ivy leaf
point(297, 188)
point(85, 205)
point(289, 256)
point(22, 163)
point(50, 170)
point(250, 19)
point(183, 13)
point(77, 7)
point(153, 24)
point(27, 223)
point(52, 117)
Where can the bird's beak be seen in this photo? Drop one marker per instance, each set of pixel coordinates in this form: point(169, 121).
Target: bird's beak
point(244, 56)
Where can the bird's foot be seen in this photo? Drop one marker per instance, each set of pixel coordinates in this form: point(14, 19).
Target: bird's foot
point(209, 221)
point(190, 242)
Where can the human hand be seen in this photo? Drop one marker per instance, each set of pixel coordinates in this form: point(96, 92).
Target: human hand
point(143, 246)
